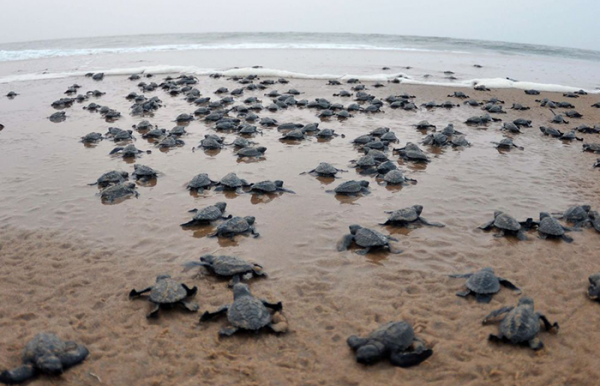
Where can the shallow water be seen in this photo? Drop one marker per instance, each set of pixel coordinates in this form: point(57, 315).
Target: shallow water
point(69, 261)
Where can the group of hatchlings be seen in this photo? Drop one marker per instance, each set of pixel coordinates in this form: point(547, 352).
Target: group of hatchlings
point(396, 341)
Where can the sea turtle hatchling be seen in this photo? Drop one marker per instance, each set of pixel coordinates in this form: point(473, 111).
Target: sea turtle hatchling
point(251, 152)
point(201, 182)
point(395, 177)
point(112, 177)
point(506, 144)
point(92, 138)
point(143, 173)
point(412, 152)
point(325, 169)
point(129, 151)
point(549, 227)
point(118, 192)
point(367, 239)
point(409, 217)
point(594, 287)
point(521, 324)
point(267, 187)
point(45, 354)
point(352, 188)
point(236, 226)
point(591, 147)
point(395, 340)
point(579, 215)
point(231, 182)
point(207, 215)
point(167, 292)
point(227, 266)
point(249, 313)
point(483, 284)
point(506, 224)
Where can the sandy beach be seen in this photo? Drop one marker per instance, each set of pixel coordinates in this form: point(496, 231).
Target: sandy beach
point(68, 261)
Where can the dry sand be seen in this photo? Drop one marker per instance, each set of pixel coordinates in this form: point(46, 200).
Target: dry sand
point(68, 261)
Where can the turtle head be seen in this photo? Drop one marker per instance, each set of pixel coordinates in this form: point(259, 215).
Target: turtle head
point(124, 174)
point(261, 149)
point(526, 301)
point(497, 213)
point(487, 269)
point(279, 183)
point(49, 364)
point(354, 228)
point(162, 277)
point(544, 215)
point(207, 259)
point(594, 288)
point(130, 185)
point(418, 209)
point(241, 289)
point(250, 219)
point(221, 206)
point(587, 208)
point(364, 183)
point(370, 353)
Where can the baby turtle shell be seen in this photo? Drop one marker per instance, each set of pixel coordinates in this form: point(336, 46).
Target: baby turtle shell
point(208, 214)
point(201, 182)
point(248, 313)
point(367, 239)
point(228, 266)
point(394, 340)
point(406, 217)
point(352, 187)
point(167, 291)
point(46, 354)
point(521, 324)
point(483, 284)
point(236, 226)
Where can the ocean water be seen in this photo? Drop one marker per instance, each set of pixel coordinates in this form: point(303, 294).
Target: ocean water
point(414, 59)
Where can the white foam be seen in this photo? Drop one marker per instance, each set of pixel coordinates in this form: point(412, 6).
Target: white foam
point(269, 72)
point(12, 55)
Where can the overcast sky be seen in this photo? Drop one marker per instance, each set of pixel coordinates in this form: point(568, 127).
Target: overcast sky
point(570, 23)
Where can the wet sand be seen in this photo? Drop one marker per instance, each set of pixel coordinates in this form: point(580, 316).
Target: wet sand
point(69, 261)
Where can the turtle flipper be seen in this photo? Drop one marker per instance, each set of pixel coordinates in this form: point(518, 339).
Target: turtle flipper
point(567, 239)
point(497, 338)
point(497, 313)
point(549, 326)
point(209, 315)
point(275, 306)
point(355, 342)
point(410, 358)
point(255, 234)
point(487, 225)
point(190, 291)
point(483, 298)
point(135, 293)
point(18, 375)
point(521, 235)
point(190, 223)
point(509, 285)
point(345, 242)
point(431, 224)
point(75, 355)
point(287, 190)
point(536, 344)
point(363, 251)
point(464, 294)
point(192, 264)
point(190, 306)
point(228, 331)
point(461, 276)
point(154, 311)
